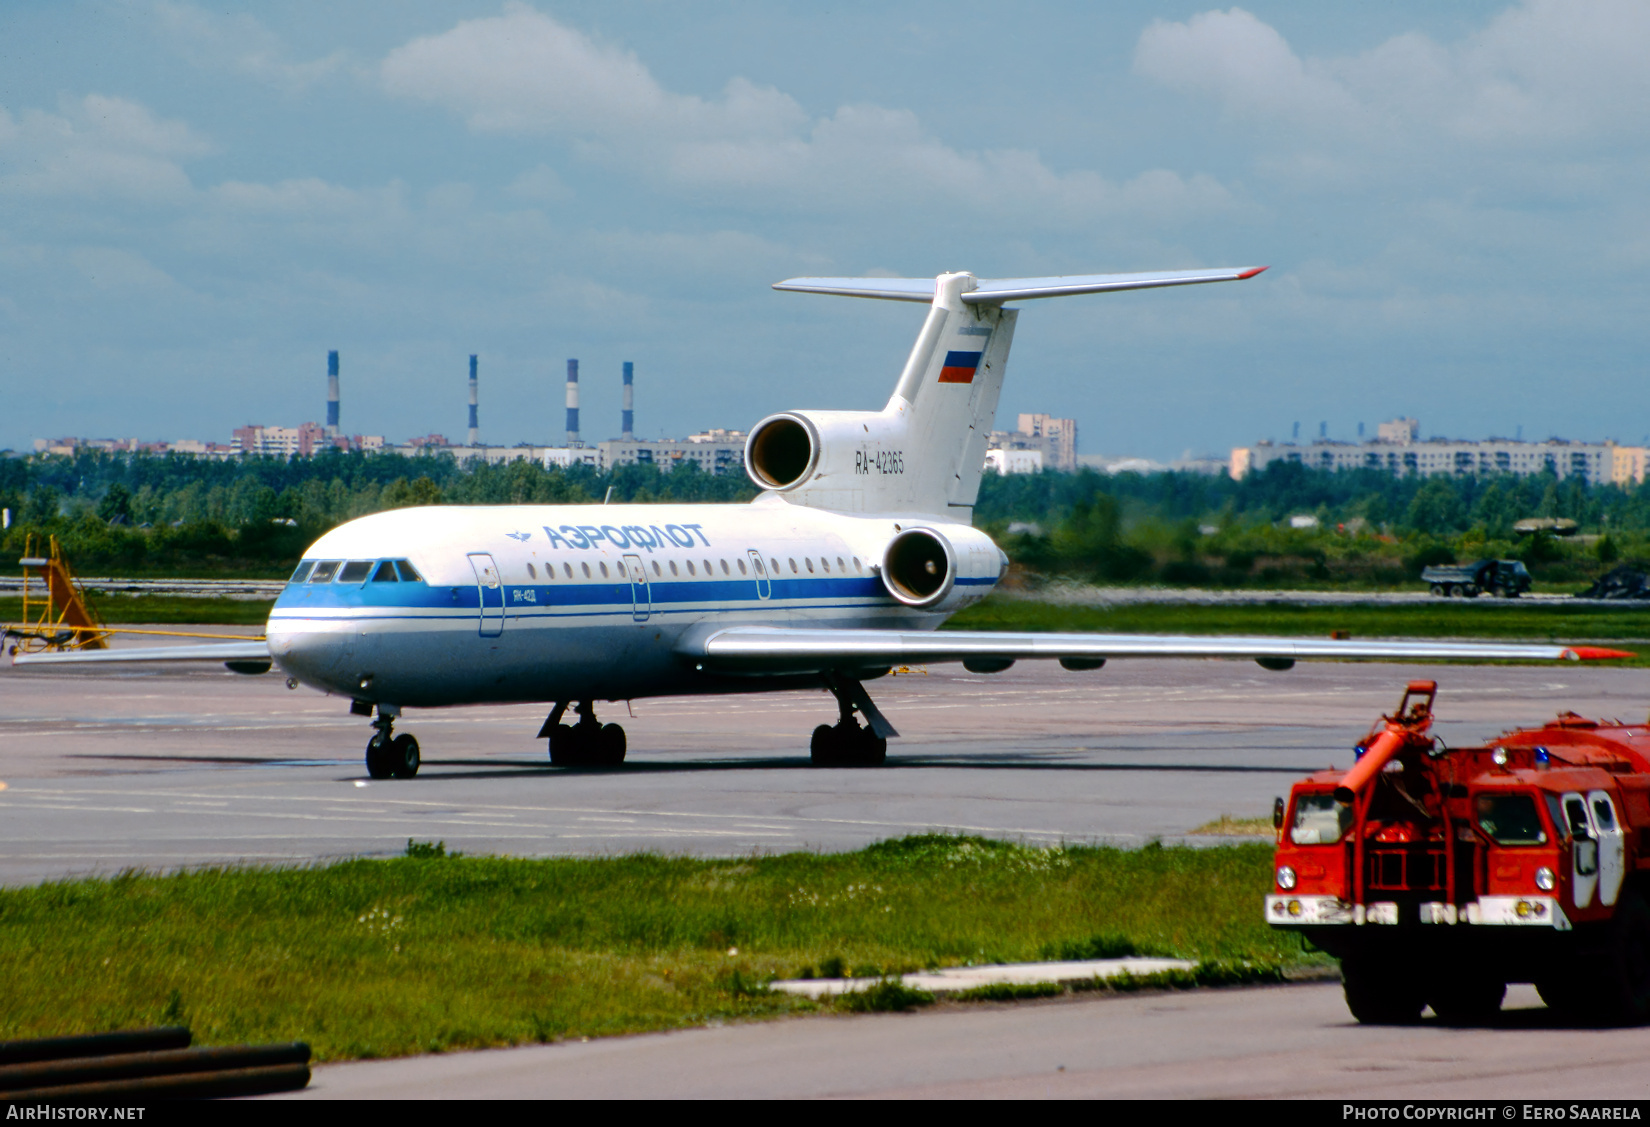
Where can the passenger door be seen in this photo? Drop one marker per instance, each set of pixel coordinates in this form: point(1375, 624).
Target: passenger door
point(1583, 849)
point(491, 591)
point(764, 586)
point(641, 597)
point(1612, 850)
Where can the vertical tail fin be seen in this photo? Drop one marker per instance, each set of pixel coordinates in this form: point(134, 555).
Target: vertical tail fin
point(925, 451)
point(947, 393)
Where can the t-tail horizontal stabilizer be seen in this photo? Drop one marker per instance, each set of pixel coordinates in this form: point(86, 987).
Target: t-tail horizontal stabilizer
point(995, 291)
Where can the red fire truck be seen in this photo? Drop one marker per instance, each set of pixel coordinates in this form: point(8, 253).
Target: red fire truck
point(1438, 875)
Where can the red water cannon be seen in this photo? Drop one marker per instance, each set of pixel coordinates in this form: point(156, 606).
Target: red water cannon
point(1407, 727)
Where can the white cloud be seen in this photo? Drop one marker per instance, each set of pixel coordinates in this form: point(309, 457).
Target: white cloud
point(1556, 72)
point(524, 73)
point(307, 198)
point(241, 43)
point(98, 147)
point(115, 268)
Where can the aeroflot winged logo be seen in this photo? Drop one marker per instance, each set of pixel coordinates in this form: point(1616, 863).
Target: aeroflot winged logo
point(960, 367)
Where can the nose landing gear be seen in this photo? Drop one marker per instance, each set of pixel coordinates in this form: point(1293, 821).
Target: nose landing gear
point(589, 743)
point(390, 756)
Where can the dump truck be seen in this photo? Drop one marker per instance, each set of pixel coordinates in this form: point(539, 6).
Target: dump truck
point(1507, 578)
point(1438, 875)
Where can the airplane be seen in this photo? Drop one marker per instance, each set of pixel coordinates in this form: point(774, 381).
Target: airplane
point(858, 547)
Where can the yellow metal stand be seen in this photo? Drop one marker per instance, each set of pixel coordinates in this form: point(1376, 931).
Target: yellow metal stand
point(64, 621)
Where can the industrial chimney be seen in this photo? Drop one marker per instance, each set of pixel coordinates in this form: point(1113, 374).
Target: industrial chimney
point(573, 403)
point(475, 432)
point(627, 417)
point(332, 394)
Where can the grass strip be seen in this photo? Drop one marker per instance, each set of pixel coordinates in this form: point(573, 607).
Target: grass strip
point(1542, 622)
point(426, 953)
point(1546, 621)
point(124, 610)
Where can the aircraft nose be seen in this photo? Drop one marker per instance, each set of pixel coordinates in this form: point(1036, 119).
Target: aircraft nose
point(319, 655)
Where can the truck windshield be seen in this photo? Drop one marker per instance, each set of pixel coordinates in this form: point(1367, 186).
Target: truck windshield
point(1319, 820)
point(1510, 819)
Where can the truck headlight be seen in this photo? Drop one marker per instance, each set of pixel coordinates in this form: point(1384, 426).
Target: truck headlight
point(1286, 877)
point(1544, 879)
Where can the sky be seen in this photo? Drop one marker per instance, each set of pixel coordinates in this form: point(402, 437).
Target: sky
point(198, 201)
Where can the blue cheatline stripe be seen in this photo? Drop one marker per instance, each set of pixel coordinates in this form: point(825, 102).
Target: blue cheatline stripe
point(662, 594)
point(613, 611)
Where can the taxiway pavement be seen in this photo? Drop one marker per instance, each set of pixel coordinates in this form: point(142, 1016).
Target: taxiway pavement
point(1268, 1043)
point(162, 767)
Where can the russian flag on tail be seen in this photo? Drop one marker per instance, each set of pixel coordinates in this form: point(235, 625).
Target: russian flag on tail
point(960, 367)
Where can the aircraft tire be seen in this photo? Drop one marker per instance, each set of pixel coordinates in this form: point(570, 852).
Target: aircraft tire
point(873, 750)
point(610, 746)
point(403, 756)
point(378, 758)
point(822, 749)
point(561, 746)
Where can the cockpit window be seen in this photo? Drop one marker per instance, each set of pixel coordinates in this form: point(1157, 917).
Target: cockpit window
point(303, 572)
point(386, 573)
point(409, 574)
point(355, 571)
point(1320, 820)
point(323, 571)
point(1511, 819)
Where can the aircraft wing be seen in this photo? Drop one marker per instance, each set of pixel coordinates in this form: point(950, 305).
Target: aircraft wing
point(758, 650)
point(995, 291)
point(255, 650)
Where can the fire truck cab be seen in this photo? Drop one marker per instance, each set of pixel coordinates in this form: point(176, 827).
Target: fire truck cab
point(1438, 875)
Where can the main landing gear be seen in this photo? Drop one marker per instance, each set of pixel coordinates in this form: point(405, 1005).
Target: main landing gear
point(390, 756)
point(847, 743)
point(589, 743)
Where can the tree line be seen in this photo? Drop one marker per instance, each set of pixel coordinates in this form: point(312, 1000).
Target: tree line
point(139, 513)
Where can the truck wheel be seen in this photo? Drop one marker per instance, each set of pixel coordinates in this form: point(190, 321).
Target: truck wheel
point(1457, 591)
point(1468, 1000)
point(1379, 995)
point(1623, 974)
point(1438, 591)
point(1611, 985)
point(1565, 996)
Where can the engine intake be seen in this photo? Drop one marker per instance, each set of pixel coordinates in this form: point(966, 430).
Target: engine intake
point(782, 452)
point(918, 567)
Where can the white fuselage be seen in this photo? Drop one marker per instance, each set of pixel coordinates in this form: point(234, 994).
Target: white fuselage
point(589, 602)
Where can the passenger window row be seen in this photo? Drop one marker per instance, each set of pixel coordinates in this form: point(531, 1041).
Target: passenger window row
point(402, 571)
point(692, 568)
